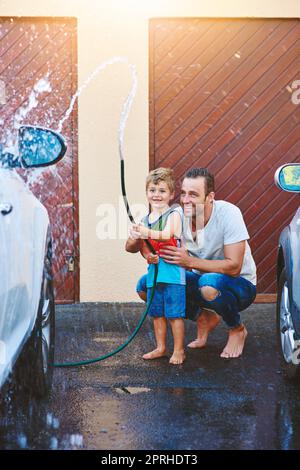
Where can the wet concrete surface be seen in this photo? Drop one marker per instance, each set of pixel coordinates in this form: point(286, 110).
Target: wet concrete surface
point(125, 402)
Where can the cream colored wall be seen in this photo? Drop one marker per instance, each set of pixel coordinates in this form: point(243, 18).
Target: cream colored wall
point(105, 30)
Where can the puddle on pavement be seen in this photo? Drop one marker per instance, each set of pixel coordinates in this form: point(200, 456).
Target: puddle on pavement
point(32, 426)
point(132, 390)
point(107, 416)
point(105, 340)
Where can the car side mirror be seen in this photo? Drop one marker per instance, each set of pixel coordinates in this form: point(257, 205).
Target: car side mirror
point(287, 177)
point(40, 147)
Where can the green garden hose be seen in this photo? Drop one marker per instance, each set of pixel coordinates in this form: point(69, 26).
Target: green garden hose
point(105, 356)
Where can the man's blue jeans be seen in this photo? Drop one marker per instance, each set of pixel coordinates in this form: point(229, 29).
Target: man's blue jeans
point(234, 295)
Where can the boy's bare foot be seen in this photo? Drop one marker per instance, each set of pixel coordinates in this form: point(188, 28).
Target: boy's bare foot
point(206, 322)
point(155, 354)
point(235, 343)
point(178, 357)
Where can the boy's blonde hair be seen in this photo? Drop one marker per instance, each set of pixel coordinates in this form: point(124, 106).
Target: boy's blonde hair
point(161, 174)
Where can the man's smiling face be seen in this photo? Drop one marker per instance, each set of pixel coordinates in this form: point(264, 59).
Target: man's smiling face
point(192, 197)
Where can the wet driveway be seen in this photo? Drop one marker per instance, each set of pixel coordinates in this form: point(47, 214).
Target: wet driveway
point(127, 403)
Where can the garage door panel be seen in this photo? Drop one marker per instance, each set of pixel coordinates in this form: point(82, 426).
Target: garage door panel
point(253, 176)
point(186, 49)
point(24, 64)
point(233, 114)
point(282, 140)
point(19, 91)
point(267, 238)
point(259, 230)
point(220, 159)
point(32, 49)
point(269, 282)
point(244, 63)
point(208, 72)
point(266, 217)
point(189, 132)
point(229, 136)
point(8, 41)
point(254, 190)
point(25, 48)
point(269, 200)
point(169, 83)
point(249, 141)
point(163, 38)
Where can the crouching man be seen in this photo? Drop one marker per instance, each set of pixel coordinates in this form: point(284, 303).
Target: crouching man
point(221, 272)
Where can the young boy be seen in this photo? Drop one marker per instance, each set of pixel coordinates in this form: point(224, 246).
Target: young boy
point(163, 226)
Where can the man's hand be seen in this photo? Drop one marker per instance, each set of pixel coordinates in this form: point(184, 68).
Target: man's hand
point(152, 258)
point(174, 255)
point(231, 265)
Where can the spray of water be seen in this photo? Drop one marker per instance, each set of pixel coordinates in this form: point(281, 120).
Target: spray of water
point(42, 86)
point(126, 106)
point(11, 136)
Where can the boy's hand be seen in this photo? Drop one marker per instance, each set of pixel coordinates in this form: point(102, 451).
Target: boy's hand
point(142, 230)
point(134, 234)
point(152, 258)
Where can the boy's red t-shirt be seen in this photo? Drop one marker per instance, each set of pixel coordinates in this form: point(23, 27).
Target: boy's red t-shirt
point(158, 245)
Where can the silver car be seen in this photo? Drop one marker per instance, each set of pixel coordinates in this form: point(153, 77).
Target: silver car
point(26, 290)
point(287, 177)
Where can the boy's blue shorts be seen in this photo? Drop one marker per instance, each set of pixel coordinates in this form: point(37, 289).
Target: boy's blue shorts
point(168, 300)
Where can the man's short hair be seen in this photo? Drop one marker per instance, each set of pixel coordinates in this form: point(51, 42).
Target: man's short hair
point(162, 174)
point(204, 173)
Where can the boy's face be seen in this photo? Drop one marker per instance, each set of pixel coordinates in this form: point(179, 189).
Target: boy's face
point(159, 195)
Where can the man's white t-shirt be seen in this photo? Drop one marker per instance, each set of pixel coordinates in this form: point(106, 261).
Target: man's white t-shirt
point(225, 226)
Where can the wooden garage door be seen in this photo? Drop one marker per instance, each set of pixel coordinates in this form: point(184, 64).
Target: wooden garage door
point(220, 97)
point(38, 76)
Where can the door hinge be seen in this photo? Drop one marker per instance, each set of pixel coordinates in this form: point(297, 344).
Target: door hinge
point(70, 260)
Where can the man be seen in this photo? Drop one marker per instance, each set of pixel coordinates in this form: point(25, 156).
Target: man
point(221, 273)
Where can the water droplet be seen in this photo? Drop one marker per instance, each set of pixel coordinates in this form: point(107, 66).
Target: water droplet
point(22, 441)
point(53, 443)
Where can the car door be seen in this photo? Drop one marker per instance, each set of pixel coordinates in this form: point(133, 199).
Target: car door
point(23, 227)
point(295, 256)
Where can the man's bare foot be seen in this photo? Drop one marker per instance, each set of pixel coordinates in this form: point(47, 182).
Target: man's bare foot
point(155, 354)
point(178, 357)
point(235, 343)
point(206, 322)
